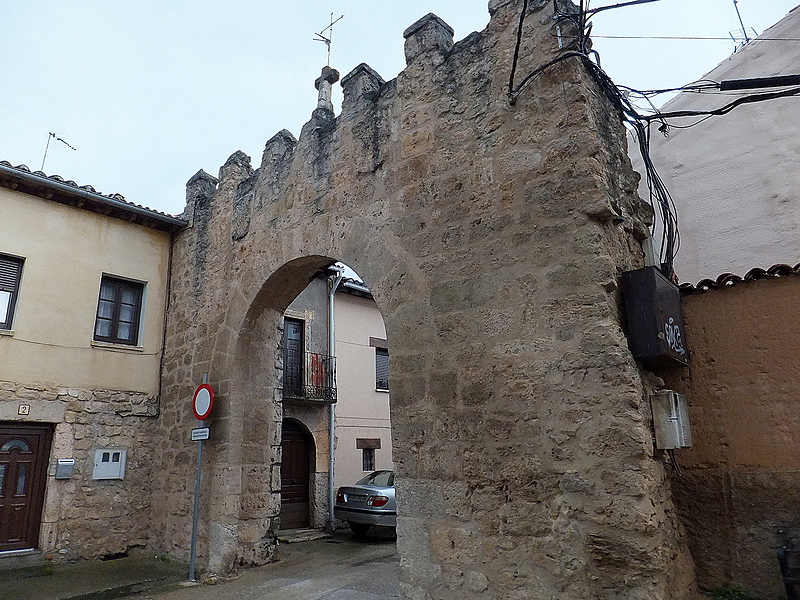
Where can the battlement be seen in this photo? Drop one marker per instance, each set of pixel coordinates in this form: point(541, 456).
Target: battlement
point(492, 236)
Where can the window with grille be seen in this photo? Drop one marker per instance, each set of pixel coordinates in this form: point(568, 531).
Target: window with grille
point(10, 273)
point(118, 311)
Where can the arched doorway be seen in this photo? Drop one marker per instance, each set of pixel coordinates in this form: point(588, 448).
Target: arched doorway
point(296, 451)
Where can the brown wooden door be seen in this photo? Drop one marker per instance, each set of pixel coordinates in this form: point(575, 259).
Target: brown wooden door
point(24, 453)
point(295, 467)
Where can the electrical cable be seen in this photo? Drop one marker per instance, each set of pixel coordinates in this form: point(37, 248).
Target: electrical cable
point(686, 38)
point(659, 196)
point(517, 46)
point(723, 110)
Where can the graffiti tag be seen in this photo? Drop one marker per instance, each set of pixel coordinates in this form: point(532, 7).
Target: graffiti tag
point(673, 332)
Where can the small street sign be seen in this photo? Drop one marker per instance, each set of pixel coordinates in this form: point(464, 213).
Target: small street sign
point(200, 433)
point(203, 401)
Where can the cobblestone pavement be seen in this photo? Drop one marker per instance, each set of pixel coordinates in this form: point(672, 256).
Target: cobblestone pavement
point(340, 568)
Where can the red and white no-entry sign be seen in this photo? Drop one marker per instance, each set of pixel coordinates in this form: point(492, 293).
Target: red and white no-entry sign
point(203, 401)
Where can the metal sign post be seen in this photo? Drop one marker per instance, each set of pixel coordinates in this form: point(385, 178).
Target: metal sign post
point(202, 403)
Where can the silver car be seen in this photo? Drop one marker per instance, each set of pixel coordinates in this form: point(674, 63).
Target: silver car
point(369, 502)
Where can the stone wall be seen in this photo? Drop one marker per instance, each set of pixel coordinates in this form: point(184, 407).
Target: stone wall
point(83, 517)
point(740, 483)
point(492, 237)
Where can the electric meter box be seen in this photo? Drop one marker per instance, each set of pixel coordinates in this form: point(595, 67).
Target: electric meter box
point(109, 463)
point(671, 420)
point(656, 335)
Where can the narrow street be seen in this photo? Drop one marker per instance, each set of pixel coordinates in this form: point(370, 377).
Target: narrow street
point(338, 568)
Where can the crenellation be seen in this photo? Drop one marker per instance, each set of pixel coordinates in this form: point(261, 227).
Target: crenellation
point(237, 168)
point(361, 90)
point(277, 156)
point(492, 236)
point(429, 36)
point(199, 188)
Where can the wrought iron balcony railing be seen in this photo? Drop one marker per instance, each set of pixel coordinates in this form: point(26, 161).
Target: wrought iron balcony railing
point(309, 376)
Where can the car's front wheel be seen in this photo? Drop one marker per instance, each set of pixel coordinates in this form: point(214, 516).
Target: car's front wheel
point(358, 528)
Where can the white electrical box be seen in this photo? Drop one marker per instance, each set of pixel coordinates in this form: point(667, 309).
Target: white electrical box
point(109, 463)
point(671, 420)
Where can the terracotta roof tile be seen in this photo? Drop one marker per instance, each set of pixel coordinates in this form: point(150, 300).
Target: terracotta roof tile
point(87, 188)
point(730, 279)
point(21, 178)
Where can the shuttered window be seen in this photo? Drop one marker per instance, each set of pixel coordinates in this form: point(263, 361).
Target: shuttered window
point(381, 369)
point(118, 311)
point(10, 273)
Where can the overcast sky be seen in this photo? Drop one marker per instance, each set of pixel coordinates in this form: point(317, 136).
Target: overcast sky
point(151, 91)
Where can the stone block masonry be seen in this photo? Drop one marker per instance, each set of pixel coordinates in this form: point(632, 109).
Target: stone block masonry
point(84, 517)
point(492, 237)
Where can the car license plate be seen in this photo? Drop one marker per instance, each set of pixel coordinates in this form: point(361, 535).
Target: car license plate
point(356, 497)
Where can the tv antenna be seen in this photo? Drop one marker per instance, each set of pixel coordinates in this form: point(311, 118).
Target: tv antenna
point(736, 36)
point(327, 39)
point(744, 29)
point(49, 137)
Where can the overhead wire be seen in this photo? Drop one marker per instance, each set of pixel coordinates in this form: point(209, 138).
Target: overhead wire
point(659, 196)
point(686, 38)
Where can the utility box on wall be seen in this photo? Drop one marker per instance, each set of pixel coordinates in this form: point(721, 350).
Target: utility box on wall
point(671, 420)
point(109, 463)
point(65, 467)
point(655, 323)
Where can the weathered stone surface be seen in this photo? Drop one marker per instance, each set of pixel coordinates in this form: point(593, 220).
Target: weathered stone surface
point(490, 238)
point(83, 517)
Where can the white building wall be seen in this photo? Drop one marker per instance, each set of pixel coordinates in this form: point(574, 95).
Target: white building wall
point(92, 396)
point(734, 178)
point(361, 410)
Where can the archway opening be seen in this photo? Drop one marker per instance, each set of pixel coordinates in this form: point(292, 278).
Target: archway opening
point(312, 371)
point(335, 382)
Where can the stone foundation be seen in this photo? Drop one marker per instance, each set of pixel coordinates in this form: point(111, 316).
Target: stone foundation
point(83, 517)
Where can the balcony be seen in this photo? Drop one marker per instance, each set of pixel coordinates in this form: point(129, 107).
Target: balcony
point(309, 376)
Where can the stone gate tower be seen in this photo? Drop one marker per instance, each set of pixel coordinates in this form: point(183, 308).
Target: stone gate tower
point(493, 237)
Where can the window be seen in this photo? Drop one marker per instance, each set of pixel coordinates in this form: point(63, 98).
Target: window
point(293, 346)
point(118, 311)
point(382, 369)
point(368, 447)
point(381, 363)
point(368, 459)
point(10, 273)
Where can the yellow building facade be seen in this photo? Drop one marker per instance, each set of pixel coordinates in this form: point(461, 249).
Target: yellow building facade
point(83, 291)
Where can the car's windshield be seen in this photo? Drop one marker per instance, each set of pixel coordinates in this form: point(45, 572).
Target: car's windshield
point(379, 478)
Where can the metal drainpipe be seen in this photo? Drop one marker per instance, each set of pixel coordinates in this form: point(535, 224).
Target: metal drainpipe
point(335, 281)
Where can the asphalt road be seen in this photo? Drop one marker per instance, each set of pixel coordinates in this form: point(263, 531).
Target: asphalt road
point(340, 568)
